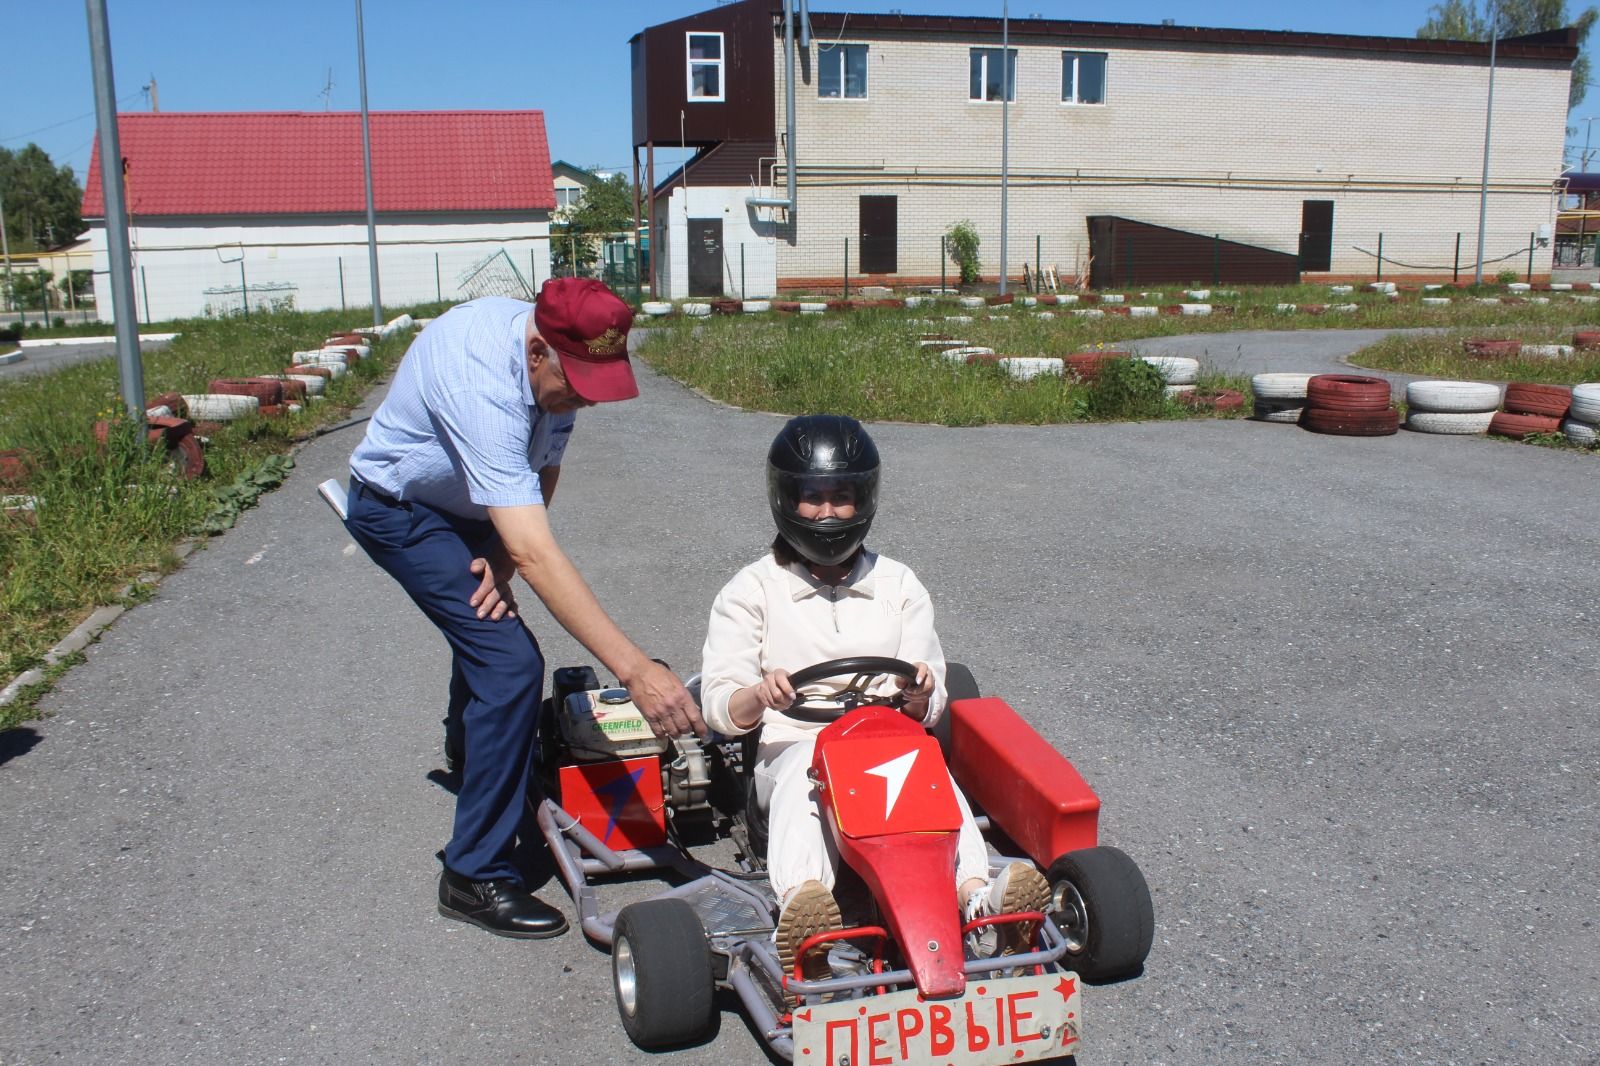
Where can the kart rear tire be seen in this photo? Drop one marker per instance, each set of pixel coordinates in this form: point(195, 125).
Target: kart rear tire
point(1101, 904)
point(959, 684)
point(662, 975)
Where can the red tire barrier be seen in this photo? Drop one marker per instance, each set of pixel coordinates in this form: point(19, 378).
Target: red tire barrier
point(207, 429)
point(1586, 338)
point(977, 358)
point(1086, 366)
point(791, 307)
point(268, 390)
point(346, 338)
point(1314, 309)
point(1492, 349)
point(273, 410)
point(837, 305)
point(1048, 301)
point(1518, 426)
point(319, 371)
point(1351, 423)
point(184, 453)
point(16, 467)
point(1529, 398)
point(996, 301)
point(172, 401)
point(1347, 392)
point(1213, 400)
point(294, 391)
point(727, 307)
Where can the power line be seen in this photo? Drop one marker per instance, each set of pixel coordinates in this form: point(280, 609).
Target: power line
point(64, 122)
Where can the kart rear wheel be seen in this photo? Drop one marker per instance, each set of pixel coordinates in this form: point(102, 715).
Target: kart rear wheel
point(661, 971)
point(1101, 903)
point(959, 684)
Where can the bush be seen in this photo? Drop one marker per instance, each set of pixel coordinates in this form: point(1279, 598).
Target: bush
point(1506, 276)
point(961, 241)
point(1125, 389)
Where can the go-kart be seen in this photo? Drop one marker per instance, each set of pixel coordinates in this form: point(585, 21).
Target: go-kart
point(911, 982)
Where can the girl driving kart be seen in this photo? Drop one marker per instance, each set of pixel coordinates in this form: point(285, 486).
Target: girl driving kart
point(820, 595)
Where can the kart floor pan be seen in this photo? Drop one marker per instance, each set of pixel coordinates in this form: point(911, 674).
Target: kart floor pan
point(722, 913)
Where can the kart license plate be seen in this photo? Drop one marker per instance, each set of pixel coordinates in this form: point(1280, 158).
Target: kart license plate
point(1012, 1019)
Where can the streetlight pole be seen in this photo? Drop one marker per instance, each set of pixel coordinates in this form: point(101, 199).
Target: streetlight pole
point(5, 250)
point(1005, 134)
point(1488, 123)
point(366, 163)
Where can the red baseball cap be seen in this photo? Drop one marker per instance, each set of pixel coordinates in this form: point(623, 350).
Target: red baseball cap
point(588, 325)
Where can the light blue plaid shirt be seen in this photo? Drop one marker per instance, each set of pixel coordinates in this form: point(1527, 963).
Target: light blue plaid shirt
point(460, 429)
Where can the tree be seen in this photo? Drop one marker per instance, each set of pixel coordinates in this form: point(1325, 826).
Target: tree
point(42, 201)
point(1461, 20)
point(606, 207)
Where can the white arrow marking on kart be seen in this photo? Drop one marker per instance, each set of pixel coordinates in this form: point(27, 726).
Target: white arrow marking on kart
point(894, 773)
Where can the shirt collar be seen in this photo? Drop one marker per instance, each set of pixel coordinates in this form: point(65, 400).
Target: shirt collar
point(860, 581)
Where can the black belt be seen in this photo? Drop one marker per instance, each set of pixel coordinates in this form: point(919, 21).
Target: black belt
point(363, 489)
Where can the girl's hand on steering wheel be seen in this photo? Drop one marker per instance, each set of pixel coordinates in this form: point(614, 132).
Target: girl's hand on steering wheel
point(917, 693)
point(774, 690)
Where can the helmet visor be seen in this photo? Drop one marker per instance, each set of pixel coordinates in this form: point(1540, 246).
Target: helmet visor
point(840, 497)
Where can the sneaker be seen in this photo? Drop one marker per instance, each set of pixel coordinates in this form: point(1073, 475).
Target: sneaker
point(809, 911)
point(1019, 887)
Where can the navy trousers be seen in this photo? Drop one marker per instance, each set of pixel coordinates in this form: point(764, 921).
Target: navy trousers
point(496, 679)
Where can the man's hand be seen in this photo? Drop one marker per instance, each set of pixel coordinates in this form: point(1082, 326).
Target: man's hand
point(917, 693)
point(493, 597)
point(775, 691)
point(664, 702)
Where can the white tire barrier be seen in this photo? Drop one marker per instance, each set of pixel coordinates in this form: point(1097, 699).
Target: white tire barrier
point(1069, 298)
point(1194, 309)
point(696, 309)
point(1381, 286)
point(970, 349)
point(1346, 308)
point(1585, 402)
point(971, 301)
point(1583, 434)
point(756, 307)
point(1028, 367)
point(1198, 295)
point(335, 366)
point(1112, 298)
point(1519, 286)
point(1089, 312)
point(917, 301)
point(1341, 290)
point(809, 307)
point(1547, 351)
point(1538, 299)
point(656, 308)
point(1561, 286)
point(1178, 390)
point(1287, 309)
point(1047, 315)
point(1279, 410)
point(1459, 422)
point(952, 343)
point(220, 407)
point(1144, 312)
point(158, 411)
point(1432, 287)
point(1452, 396)
point(1028, 301)
point(1175, 369)
point(1279, 386)
point(959, 320)
point(1487, 299)
point(1586, 299)
point(1435, 301)
point(314, 383)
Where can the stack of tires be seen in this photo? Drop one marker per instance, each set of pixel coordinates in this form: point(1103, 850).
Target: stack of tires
point(1178, 371)
point(1451, 406)
point(1279, 397)
point(1531, 408)
point(1582, 425)
point(1349, 405)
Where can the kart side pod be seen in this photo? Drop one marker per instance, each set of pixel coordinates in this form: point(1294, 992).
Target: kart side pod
point(1026, 787)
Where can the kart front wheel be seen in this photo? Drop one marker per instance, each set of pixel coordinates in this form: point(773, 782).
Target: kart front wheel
point(1101, 904)
point(661, 970)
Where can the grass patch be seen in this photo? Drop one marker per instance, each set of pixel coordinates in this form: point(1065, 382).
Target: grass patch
point(105, 514)
point(1441, 355)
point(867, 365)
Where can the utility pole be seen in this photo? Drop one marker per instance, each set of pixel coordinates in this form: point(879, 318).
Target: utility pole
point(1488, 123)
point(124, 311)
point(1005, 134)
point(366, 162)
point(155, 97)
point(5, 249)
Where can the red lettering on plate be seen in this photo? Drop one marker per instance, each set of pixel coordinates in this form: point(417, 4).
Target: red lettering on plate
point(977, 1035)
point(908, 1021)
point(941, 1038)
point(874, 1041)
point(1000, 1020)
point(1020, 1016)
point(847, 1024)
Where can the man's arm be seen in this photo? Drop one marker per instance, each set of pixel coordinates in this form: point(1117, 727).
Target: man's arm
point(532, 548)
point(548, 476)
point(493, 597)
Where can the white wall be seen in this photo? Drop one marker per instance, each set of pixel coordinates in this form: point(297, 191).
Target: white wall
point(742, 228)
point(420, 259)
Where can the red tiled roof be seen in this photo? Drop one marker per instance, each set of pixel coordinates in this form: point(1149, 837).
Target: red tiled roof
point(291, 162)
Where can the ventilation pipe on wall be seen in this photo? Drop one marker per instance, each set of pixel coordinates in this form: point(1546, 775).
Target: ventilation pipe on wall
point(787, 203)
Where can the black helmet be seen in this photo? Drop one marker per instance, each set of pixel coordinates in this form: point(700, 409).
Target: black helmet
point(815, 452)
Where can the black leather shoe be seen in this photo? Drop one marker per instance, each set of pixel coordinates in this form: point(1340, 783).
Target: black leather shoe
point(503, 907)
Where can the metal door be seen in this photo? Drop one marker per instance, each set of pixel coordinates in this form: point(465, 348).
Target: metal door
point(1316, 235)
point(705, 257)
point(879, 234)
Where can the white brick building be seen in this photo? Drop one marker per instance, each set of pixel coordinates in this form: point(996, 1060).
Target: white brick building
point(1252, 137)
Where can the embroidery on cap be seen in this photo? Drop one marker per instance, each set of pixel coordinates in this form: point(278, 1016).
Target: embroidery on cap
point(608, 343)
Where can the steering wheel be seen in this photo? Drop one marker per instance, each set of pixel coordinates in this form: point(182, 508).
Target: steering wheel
point(864, 668)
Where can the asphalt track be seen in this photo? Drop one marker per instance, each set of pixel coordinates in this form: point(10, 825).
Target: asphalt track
point(46, 359)
point(1338, 696)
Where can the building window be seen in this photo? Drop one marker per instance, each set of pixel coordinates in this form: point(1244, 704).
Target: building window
point(985, 81)
point(705, 66)
point(842, 72)
point(1083, 77)
point(566, 197)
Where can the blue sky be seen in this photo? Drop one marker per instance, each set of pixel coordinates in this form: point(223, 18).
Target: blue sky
point(568, 58)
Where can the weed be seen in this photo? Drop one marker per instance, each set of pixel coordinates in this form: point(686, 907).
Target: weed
point(1125, 389)
point(961, 241)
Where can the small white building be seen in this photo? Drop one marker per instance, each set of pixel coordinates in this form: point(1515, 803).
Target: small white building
point(244, 210)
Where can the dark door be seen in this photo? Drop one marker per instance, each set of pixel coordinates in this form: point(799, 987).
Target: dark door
point(705, 257)
point(880, 228)
point(1316, 235)
point(1102, 252)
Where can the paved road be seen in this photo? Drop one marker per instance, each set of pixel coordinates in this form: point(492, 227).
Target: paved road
point(49, 358)
point(1338, 695)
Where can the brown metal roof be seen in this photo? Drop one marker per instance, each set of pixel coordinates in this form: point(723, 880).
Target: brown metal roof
point(728, 163)
point(1555, 45)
